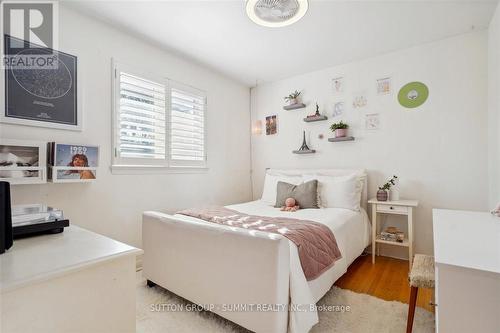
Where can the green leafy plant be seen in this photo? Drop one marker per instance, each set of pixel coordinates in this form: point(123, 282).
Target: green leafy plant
point(339, 125)
point(292, 96)
point(389, 184)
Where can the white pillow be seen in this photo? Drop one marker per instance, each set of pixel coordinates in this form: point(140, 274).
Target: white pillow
point(271, 184)
point(339, 191)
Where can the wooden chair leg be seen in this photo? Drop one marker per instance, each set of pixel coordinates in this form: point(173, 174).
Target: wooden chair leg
point(411, 309)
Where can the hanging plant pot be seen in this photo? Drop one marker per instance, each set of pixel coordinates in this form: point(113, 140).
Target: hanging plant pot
point(341, 132)
point(293, 98)
point(340, 129)
point(382, 195)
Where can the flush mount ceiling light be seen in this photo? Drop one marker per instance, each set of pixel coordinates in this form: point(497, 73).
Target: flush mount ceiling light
point(276, 13)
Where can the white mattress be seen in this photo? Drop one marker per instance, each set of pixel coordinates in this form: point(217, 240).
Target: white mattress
point(352, 232)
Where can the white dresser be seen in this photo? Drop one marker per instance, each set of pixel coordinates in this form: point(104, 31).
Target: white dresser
point(467, 257)
point(75, 281)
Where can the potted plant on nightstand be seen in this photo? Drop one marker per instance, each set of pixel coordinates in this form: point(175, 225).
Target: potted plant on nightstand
point(293, 98)
point(340, 129)
point(383, 191)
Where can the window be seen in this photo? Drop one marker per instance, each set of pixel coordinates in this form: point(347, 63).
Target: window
point(157, 122)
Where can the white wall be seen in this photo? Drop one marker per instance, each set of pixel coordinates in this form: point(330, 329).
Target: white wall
point(494, 107)
point(114, 203)
point(439, 150)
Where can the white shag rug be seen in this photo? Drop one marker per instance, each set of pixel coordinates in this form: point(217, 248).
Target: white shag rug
point(367, 314)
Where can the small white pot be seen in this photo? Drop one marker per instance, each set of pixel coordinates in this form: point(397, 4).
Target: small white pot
point(394, 193)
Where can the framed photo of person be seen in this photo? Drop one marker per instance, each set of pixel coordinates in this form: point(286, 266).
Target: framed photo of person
point(271, 125)
point(44, 92)
point(73, 163)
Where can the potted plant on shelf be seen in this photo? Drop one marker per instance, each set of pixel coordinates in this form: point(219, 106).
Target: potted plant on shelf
point(293, 98)
point(382, 193)
point(340, 129)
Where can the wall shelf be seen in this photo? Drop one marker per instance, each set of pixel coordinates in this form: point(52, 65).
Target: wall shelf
point(313, 119)
point(294, 106)
point(70, 174)
point(345, 138)
point(300, 152)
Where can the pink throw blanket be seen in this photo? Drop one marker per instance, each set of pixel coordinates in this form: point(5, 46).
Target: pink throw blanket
point(317, 246)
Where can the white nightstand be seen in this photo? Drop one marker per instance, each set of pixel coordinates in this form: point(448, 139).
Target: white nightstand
point(400, 207)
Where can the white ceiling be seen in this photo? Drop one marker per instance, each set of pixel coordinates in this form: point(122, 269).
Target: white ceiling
point(219, 35)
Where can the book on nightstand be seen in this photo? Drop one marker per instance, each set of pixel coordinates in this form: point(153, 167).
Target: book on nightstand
point(392, 235)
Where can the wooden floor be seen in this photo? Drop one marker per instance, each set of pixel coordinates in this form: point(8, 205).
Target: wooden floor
point(386, 279)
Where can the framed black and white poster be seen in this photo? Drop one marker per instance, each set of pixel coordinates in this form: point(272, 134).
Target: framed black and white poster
point(40, 87)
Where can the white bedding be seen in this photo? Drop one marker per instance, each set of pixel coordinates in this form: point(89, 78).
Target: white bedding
point(352, 232)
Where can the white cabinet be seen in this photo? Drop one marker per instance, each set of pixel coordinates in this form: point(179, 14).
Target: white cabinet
point(76, 281)
point(467, 259)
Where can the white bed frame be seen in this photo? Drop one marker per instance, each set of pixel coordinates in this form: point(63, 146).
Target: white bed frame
point(212, 266)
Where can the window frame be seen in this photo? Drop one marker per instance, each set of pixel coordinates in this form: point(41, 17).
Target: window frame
point(124, 165)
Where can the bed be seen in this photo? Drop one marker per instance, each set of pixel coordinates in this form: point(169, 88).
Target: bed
point(247, 276)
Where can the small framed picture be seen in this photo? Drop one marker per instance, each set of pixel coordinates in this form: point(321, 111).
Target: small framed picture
point(23, 162)
point(372, 122)
point(384, 86)
point(338, 109)
point(338, 85)
point(359, 100)
point(271, 125)
point(73, 163)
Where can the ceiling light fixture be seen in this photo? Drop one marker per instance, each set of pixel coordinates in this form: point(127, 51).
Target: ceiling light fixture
point(276, 13)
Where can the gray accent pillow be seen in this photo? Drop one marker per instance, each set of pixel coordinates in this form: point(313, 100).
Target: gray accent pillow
point(305, 194)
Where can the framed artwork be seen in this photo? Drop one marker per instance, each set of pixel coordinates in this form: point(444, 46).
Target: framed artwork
point(384, 86)
point(338, 85)
point(359, 100)
point(23, 162)
point(372, 122)
point(338, 109)
point(73, 163)
point(271, 125)
point(40, 96)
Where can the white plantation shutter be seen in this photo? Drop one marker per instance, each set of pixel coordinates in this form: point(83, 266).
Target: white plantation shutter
point(141, 118)
point(187, 126)
point(157, 123)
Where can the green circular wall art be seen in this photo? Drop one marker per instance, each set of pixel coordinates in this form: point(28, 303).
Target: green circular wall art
point(413, 94)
